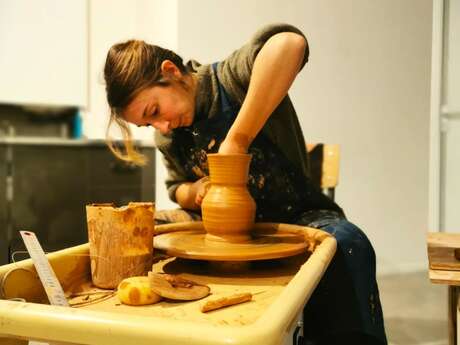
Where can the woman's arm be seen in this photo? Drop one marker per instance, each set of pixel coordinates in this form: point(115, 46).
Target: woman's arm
point(274, 70)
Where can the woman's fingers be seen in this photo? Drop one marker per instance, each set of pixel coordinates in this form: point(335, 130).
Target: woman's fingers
point(203, 188)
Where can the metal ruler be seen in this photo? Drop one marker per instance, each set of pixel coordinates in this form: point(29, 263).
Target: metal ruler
point(45, 272)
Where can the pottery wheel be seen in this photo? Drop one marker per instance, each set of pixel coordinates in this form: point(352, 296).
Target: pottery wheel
point(264, 244)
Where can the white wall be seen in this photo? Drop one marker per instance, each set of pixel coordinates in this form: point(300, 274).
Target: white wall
point(452, 68)
point(43, 49)
point(114, 21)
point(450, 138)
point(366, 88)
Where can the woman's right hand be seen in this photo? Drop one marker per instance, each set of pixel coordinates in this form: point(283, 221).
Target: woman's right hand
point(190, 195)
point(201, 187)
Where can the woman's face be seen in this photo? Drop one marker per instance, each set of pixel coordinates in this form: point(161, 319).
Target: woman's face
point(163, 107)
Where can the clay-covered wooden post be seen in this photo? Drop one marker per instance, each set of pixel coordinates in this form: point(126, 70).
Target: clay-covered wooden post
point(120, 241)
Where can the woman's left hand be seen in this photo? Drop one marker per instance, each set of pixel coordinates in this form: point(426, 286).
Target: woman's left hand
point(234, 145)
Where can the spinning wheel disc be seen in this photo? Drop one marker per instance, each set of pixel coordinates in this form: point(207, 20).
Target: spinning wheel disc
point(265, 243)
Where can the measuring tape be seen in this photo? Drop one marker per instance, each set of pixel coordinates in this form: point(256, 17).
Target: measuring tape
point(45, 272)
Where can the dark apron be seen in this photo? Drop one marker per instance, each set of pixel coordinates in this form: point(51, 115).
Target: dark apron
point(347, 297)
point(280, 189)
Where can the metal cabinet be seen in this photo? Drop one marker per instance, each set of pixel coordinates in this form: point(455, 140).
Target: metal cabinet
point(52, 183)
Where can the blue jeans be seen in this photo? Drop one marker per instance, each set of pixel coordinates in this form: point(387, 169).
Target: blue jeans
point(346, 302)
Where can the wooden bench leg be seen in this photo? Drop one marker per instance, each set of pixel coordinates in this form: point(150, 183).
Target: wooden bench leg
point(452, 314)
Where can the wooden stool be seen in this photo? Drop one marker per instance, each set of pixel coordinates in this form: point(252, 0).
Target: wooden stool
point(324, 166)
point(444, 262)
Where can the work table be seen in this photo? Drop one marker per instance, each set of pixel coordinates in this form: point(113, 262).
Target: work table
point(281, 289)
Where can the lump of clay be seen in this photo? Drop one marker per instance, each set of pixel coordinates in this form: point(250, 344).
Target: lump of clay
point(136, 291)
point(177, 288)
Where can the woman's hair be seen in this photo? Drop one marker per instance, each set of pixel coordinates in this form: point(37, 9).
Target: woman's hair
point(131, 67)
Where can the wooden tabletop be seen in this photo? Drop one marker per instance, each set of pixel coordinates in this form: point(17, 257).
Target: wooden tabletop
point(444, 257)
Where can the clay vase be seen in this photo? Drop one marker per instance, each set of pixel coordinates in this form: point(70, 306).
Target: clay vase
point(228, 210)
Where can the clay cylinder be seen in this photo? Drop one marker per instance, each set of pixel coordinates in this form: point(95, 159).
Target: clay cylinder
point(120, 241)
point(228, 209)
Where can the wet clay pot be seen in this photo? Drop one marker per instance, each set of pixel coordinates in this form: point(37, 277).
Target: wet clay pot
point(228, 209)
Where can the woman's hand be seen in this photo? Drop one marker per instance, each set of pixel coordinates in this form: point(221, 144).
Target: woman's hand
point(201, 186)
point(190, 195)
point(231, 144)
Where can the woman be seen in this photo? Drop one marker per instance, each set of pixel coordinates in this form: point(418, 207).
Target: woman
point(241, 105)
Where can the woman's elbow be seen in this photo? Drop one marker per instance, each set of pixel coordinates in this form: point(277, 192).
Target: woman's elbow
point(294, 42)
point(297, 41)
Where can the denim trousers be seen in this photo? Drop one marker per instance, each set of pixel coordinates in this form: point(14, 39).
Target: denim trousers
point(346, 302)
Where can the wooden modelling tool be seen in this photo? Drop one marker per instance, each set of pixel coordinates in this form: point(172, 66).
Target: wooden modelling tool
point(226, 301)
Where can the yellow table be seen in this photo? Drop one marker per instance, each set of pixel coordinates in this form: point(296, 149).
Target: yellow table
point(280, 288)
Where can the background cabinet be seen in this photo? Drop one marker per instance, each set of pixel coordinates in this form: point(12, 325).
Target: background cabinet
point(52, 183)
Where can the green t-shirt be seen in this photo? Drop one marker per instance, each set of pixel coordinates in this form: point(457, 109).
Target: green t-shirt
point(234, 73)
